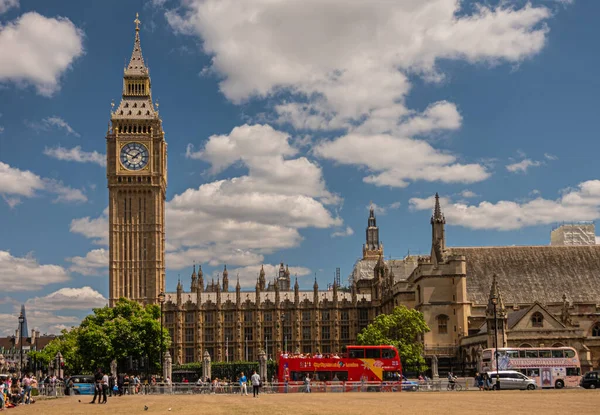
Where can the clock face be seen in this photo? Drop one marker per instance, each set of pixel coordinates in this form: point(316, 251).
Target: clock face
point(134, 156)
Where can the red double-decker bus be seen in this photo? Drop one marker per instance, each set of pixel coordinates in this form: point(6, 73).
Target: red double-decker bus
point(359, 363)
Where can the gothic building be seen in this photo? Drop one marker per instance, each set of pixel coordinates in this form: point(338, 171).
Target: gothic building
point(471, 297)
point(136, 168)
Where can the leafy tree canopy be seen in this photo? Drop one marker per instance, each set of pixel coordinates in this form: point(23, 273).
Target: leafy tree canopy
point(402, 329)
point(127, 329)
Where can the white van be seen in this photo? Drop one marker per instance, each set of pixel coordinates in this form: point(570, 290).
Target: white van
point(511, 379)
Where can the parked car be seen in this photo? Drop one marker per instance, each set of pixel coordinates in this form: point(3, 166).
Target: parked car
point(591, 380)
point(409, 385)
point(511, 379)
point(82, 385)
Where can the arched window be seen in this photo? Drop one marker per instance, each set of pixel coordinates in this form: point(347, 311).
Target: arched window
point(442, 320)
point(596, 330)
point(537, 320)
point(525, 345)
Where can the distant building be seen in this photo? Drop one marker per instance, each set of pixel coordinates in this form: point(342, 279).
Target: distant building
point(571, 234)
point(10, 347)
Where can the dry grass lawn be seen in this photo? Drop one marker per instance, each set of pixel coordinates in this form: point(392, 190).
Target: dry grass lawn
point(542, 402)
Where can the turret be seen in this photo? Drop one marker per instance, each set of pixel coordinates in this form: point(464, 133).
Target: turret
point(200, 279)
point(261, 277)
point(225, 279)
point(238, 294)
point(438, 237)
point(496, 317)
point(372, 246)
point(179, 292)
point(296, 293)
point(194, 285)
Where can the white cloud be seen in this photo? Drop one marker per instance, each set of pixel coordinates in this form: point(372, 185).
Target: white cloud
point(237, 221)
point(76, 154)
point(550, 157)
point(84, 298)
point(522, 166)
point(5, 5)
point(1, 129)
point(575, 204)
point(355, 57)
point(94, 262)
point(26, 274)
point(468, 194)
point(37, 50)
point(382, 210)
point(49, 123)
point(343, 233)
point(399, 160)
point(16, 183)
point(92, 228)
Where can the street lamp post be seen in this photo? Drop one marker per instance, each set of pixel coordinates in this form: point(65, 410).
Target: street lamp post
point(21, 321)
point(495, 302)
point(161, 300)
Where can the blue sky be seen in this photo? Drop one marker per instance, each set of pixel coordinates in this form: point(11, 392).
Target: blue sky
point(283, 122)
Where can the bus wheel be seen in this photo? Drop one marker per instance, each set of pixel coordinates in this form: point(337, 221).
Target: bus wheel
point(559, 384)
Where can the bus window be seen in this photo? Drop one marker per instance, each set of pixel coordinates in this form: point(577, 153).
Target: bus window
point(522, 354)
point(388, 353)
point(557, 354)
point(391, 376)
point(569, 353)
point(545, 354)
point(513, 354)
point(533, 372)
point(373, 353)
point(531, 354)
point(573, 371)
point(341, 376)
point(356, 353)
point(321, 376)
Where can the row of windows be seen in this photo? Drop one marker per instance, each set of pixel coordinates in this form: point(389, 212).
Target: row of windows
point(249, 316)
point(209, 333)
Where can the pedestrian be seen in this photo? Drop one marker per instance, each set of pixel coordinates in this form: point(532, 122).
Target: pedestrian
point(104, 388)
point(97, 385)
point(243, 384)
point(27, 389)
point(307, 383)
point(2, 395)
point(255, 384)
point(111, 385)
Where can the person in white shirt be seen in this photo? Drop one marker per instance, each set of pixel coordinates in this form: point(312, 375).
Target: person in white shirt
point(255, 384)
point(104, 388)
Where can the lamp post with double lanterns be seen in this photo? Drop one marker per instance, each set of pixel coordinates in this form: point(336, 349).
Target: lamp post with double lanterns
point(495, 303)
point(161, 300)
point(21, 321)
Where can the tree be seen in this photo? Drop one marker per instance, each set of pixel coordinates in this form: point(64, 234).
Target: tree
point(402, 329)
point(125, 330)
point(66, 344)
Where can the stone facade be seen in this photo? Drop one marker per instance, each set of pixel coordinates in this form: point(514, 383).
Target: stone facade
point(136, 167)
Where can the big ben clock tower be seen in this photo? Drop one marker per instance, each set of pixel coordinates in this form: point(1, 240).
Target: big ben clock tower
point(136, 155)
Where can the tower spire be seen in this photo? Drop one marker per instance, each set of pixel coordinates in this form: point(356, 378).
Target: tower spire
point(136, 63)
point(438, 233)
point(372, 247)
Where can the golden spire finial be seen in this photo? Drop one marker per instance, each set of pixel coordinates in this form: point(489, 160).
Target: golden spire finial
point(137, 22)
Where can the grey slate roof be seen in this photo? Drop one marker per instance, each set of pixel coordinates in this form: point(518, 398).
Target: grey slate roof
point(533, 273)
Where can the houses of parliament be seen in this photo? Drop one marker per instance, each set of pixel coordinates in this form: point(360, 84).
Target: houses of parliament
point(543, 295)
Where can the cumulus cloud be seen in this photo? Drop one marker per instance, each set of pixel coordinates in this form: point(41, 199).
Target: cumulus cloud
point(343, 233)
point(84, 298)
point(575, 204)
point(468, 194)
point(239, 220)
point(346, 66)
point(5, 5)
point(53, 122)
point(37, 50)
point(399, 160)
point(94, 262)
point(26, 274)
point(76, 154)
point(16, 183)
